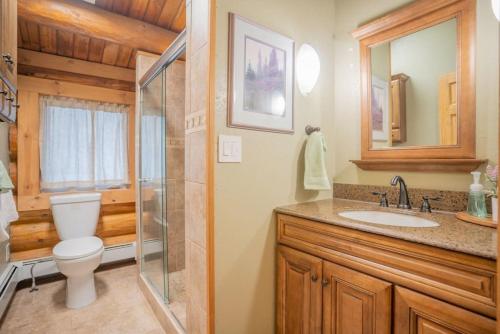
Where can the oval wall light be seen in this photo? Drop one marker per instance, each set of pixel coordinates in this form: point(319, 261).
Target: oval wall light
point(308, 68)
point(495, 4)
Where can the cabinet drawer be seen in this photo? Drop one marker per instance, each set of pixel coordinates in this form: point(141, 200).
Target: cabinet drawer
point(461, 279)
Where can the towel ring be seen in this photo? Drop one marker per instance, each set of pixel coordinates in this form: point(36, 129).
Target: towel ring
point(311, 129)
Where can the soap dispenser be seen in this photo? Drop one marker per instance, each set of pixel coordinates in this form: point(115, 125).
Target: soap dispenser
point(476, 205)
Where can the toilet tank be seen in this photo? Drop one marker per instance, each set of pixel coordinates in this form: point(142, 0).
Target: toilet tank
point(75, 215)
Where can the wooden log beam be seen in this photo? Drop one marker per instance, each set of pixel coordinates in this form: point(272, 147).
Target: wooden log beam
point(50, 74)
point(79, 17)
point(77, 66)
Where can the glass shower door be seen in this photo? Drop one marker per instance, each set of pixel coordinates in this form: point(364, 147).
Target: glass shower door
point(152, 185)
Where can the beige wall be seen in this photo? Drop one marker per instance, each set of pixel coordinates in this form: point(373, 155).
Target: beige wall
point(271, 171)
point(349, 14)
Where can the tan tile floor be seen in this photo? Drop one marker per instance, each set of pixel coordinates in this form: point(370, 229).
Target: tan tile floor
point(120, 308)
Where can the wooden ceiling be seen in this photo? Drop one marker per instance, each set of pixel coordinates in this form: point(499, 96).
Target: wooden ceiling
point(166, 14)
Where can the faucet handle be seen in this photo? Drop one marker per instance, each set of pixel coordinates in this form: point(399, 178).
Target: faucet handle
point(426, 205)
point(383, 198)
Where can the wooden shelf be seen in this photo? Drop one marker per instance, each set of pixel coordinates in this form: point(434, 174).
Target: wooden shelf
point(421, 165)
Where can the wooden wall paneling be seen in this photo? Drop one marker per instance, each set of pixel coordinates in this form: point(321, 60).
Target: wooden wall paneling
point(96, 49)
point(110, 54)
point(23, 32)
point(65, 64)
point(132, 60)
point(179, 22)
point(46, 73)
point(105, 4)
point(28, 161)
point(169, 12)
point(124, 54)
point(47, 251)
point(52, 87)
point(121, 7)
point(48, 39)
point(83, 18)
point(81, 47)
point(153, 11)
point(33, 35)
point(138, 9)
point(65, 40)
point(42, 233)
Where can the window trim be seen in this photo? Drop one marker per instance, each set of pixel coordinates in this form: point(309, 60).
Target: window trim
point(29, 195)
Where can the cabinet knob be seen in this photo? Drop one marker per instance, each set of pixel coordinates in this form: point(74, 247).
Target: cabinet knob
point(314, 277)
point(7, 58)
point(325, 282)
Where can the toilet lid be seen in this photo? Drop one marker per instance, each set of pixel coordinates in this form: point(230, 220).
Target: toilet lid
point(77, 248)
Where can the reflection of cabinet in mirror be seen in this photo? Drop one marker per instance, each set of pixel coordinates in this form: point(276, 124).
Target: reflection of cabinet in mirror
point(398, 92)
point(425, 121)
point(448, 109)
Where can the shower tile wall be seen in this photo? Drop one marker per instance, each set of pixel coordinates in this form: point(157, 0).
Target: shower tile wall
point(175, 105)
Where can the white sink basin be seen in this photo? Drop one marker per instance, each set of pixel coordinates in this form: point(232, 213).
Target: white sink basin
point(388, 218)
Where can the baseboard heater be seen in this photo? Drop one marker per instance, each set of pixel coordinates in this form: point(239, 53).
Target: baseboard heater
point(8, 282)
point(23, 270)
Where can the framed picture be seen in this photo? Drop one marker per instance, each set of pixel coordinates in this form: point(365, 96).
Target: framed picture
point(380, 109)
point(260, 95)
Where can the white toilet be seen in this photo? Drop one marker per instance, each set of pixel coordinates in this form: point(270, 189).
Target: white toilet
point(80, 252)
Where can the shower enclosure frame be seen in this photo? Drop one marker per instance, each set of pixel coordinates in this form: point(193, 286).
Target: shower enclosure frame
point(159, 302)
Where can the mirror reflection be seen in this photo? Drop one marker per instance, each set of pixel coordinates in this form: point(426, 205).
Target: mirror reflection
point(413, 89)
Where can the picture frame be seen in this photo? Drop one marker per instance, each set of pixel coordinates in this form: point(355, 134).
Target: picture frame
point(380, 109)
point(260, 78)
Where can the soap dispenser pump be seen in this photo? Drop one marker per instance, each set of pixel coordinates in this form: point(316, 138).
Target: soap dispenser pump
point(476, 205)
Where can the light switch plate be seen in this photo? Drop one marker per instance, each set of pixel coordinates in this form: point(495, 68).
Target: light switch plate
point(229, 148)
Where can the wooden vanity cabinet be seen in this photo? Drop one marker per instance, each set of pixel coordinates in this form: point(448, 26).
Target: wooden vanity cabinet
point(299, 292)
point(8, 61)
point(316, 296)
point(8, 45)
point(335, 280)
point(354, 302)
point(415, 313)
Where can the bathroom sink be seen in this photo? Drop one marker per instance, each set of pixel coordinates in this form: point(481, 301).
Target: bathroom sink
point(388, 218)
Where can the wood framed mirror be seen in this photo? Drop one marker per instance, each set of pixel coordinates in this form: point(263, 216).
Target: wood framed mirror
point(418, 88)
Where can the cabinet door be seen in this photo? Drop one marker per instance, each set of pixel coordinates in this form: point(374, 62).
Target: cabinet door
point(299, 292)
point(416, 313)
point(354, 303)
point(9, 40)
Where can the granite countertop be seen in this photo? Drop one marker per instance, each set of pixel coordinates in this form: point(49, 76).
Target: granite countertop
point(452, 234)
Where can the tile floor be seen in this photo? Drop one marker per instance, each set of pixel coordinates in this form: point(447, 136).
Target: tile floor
point(120, 308)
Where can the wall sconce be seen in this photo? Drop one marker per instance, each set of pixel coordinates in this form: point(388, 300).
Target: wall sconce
point(495, 4)
point(307, 68)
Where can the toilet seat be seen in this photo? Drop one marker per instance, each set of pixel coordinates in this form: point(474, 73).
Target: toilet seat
point(77, 248)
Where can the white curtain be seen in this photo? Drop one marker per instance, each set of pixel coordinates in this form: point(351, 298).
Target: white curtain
point(83, 144)
point(152, 148)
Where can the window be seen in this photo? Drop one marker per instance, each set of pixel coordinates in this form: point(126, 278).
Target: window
point(83, 144)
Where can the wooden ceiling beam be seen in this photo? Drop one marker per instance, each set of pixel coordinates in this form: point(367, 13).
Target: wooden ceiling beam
point(77, 66)
point(79, 17)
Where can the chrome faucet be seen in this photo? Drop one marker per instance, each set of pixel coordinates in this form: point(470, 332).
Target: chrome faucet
point(404, 201)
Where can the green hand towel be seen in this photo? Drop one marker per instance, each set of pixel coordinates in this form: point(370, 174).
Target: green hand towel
point(315, 175)
point(5, 181)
